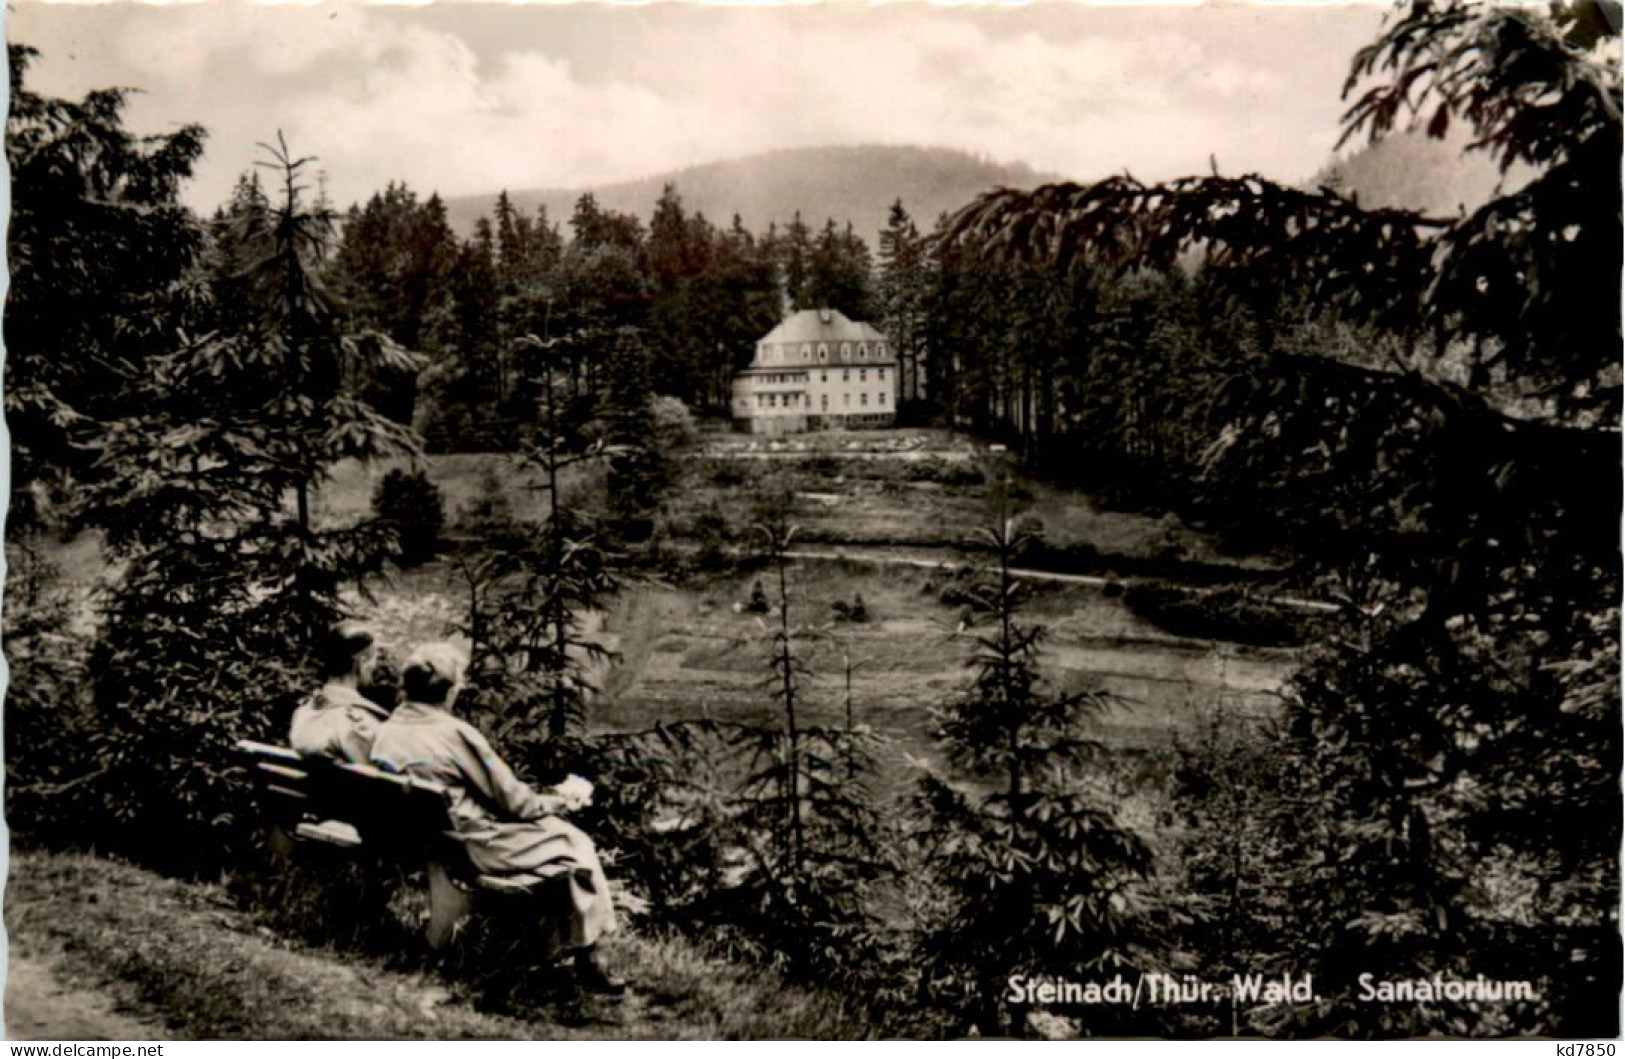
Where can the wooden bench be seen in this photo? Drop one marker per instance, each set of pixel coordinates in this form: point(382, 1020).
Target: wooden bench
point(400, 819)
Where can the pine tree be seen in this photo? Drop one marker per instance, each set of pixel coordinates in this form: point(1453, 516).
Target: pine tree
point(1036, 876)
point(204, 500)
point(795, 264)
point(903, 292)
point(807, 817)
point(529, 597)
point(636, 466)
point(99, 249)
point(838, 273)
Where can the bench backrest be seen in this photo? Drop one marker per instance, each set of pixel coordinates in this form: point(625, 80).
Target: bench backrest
point(393, 813)
point(281, 778)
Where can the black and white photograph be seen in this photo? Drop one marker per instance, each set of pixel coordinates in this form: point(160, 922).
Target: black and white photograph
point(818, 521)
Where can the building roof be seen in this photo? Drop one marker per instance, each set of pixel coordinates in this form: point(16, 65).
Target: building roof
point(822, 325)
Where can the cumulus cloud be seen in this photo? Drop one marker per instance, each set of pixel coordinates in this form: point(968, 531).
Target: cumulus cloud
point(382, 94)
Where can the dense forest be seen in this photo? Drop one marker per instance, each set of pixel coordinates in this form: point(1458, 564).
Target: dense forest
point(1423, 411)
point(697, 294)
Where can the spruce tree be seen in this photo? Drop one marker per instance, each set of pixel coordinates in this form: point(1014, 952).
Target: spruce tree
point(227, 580)
point(1035, 875)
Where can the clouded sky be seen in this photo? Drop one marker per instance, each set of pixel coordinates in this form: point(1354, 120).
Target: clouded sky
point(465, 98)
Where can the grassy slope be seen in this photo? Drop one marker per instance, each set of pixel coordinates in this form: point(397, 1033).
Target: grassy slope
point(184, 958)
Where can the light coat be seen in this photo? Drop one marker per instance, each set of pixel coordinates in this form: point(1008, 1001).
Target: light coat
point(507, 826)
point(337, 722)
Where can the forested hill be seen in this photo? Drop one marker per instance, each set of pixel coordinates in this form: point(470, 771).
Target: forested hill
point(847, 183)
point(1413, 171)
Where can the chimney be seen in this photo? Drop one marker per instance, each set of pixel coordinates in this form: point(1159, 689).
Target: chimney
point(825, 316)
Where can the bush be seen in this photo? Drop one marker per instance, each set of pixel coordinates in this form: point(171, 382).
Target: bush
point(957, 590)
point(674, 424)
point(1224, 614)
point(47, 704)
point(856, 611)
point(488, 514)
point(412, 506)
point(726, 474)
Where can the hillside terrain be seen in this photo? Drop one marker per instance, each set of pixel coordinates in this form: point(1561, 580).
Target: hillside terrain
point(1407, 170)
point(856, 184)
point(881, 515)
point(1411, 170)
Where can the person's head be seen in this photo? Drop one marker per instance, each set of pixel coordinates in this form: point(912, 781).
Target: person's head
point(346, 650)
point(433, 674)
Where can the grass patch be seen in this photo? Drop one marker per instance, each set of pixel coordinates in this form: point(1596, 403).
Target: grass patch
point(194, 958)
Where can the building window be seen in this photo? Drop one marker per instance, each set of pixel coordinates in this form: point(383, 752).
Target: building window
point(806, 349)
point(823, 403)
point(846, 376)
point(846, 399)
point(823, 376)
point(823, 356)
point(880, 398)
point(880, 349)
point(882, 374)
point(863, 374)
point(846, 350)
point(823, 351)
point(863, 352)
point(806, 354)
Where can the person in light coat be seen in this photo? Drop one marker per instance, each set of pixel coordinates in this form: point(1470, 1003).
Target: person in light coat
point(507, 826)
point(338, 721)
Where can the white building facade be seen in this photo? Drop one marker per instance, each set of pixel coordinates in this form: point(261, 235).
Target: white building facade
point(817, 370)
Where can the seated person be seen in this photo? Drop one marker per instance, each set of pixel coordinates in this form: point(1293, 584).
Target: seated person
point(338, 721)
point(506, 826)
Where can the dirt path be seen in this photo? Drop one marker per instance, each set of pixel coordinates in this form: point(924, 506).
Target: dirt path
point(42, 1006)
point(1091, 580)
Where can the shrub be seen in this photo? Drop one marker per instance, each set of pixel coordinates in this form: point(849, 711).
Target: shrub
point(673, 424)
point(412, 506)
point(957, 589)
point(726, 474)
point(856, 611)
point(489, 509)
point(1224, 614)
point(47, 703)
